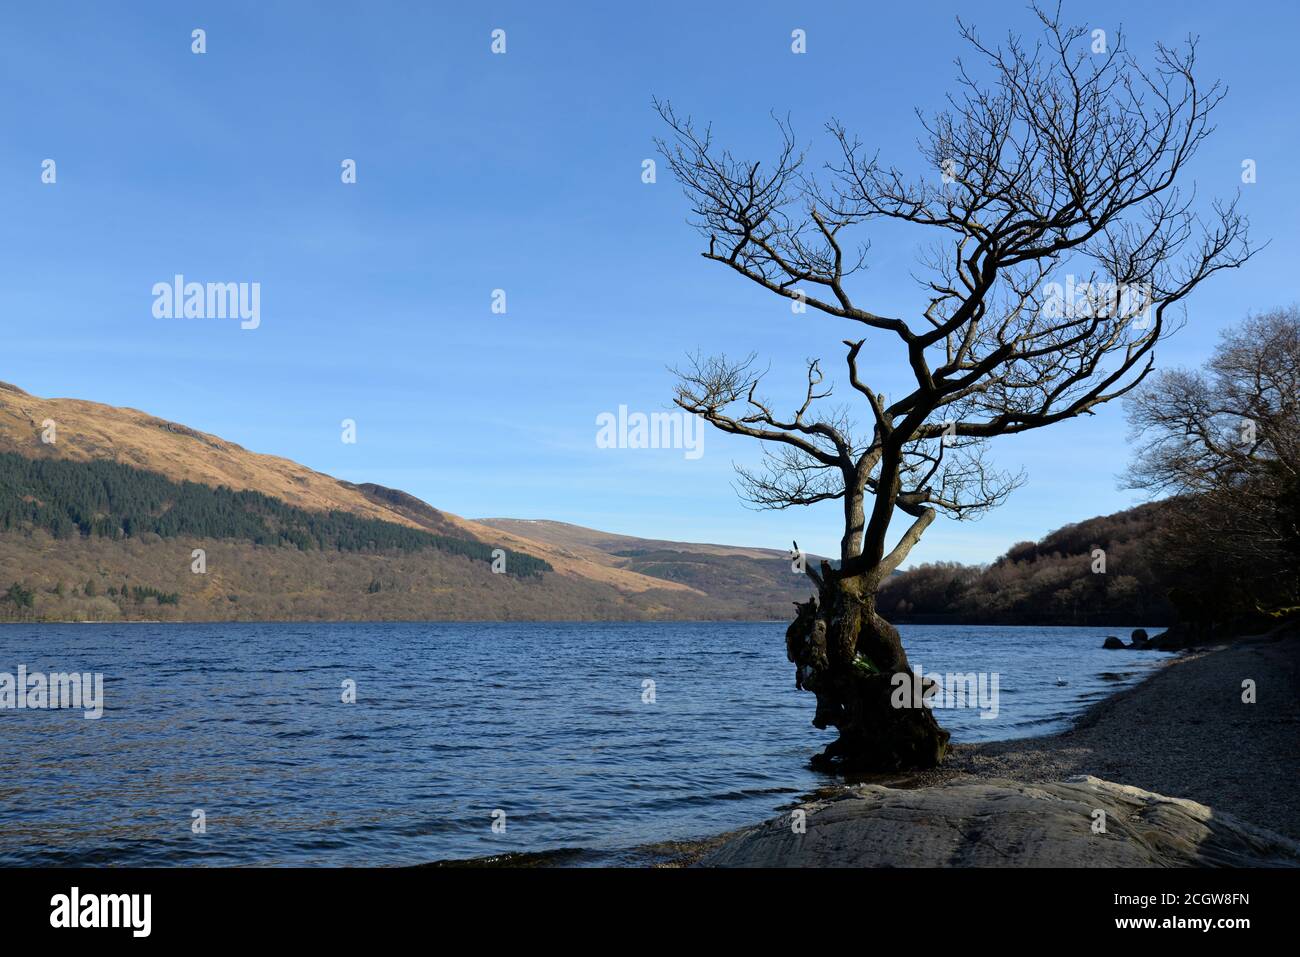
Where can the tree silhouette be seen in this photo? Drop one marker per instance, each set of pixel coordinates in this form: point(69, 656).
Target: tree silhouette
point(1056, 159)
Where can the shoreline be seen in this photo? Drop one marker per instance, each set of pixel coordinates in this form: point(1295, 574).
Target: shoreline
point(1182, 731)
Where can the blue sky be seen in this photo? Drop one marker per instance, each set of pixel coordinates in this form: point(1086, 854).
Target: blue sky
point(520, 172)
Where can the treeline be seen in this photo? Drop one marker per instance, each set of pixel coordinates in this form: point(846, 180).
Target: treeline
point(1103, 571)
point(81, 579)
point(19, 599)
point(109, 500)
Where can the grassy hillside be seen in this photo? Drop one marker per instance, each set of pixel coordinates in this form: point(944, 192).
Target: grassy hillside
point(758, 576)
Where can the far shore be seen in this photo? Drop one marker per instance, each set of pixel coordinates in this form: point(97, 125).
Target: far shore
point(1183, 732)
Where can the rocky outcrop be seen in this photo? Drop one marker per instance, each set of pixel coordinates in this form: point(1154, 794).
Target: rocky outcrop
point(1175, 639)
point(1139, 641)
point(1001, 823)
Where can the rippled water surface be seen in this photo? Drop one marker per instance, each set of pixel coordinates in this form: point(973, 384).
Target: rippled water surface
point(452, 723)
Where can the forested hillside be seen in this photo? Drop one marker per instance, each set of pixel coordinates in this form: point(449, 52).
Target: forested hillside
point(148, 578)
point(105, 499)
point(103, 540)
point(54, 511)
point(1051, 581)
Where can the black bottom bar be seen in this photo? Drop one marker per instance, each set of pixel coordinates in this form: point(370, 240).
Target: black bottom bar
point(333, 906)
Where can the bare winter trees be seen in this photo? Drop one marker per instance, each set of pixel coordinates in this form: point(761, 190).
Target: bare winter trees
point(1058, 246)
point(1226, 441)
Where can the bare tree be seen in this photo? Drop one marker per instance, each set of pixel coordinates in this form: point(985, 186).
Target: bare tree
point(1226, 443)
point(1052, 157)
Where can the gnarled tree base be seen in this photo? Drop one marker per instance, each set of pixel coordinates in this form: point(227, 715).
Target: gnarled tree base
point(853, 660)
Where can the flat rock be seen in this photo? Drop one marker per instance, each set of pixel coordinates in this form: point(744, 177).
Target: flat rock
point(1003, 823)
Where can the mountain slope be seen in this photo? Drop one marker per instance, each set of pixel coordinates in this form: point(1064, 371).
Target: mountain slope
point(70, 577)
point(562, 534)
point(89, 431)
point(749, 574)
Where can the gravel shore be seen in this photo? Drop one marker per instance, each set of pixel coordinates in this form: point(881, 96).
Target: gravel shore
point(1183, 732)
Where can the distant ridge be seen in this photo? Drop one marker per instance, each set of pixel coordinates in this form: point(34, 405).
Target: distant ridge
point(68, 577)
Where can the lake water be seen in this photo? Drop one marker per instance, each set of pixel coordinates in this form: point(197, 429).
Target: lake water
point(453, 723)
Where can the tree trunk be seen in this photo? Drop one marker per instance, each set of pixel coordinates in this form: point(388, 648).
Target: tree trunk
point(848, 655)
